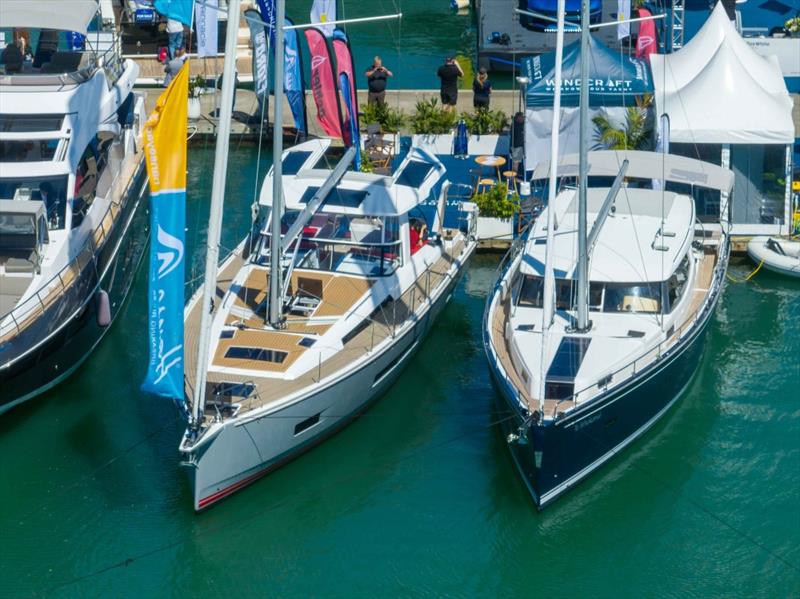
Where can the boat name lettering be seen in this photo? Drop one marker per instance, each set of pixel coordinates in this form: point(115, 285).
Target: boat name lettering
point(587, 421)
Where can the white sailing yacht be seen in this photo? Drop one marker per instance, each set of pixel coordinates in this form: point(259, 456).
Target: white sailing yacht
point(596, 323)
point(72, 225)
point(275, 364)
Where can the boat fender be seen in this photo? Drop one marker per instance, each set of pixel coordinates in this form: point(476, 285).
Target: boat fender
point(503, 290)
point(103, 308)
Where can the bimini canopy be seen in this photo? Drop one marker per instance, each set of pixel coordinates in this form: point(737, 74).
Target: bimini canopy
point(614, 79)
point(63, 15)
point(717, 90)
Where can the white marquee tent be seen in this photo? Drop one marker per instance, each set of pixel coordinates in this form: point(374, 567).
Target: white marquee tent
point(717, 90)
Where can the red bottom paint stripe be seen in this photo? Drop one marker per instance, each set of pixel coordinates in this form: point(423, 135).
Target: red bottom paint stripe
point(206, 501)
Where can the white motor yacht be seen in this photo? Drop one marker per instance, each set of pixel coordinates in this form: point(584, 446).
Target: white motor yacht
point(72, 224)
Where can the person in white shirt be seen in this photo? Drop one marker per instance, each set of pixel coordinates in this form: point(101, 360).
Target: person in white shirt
point(175, 33)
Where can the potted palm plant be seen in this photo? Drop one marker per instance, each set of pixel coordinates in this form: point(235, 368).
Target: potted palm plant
point(196, 85)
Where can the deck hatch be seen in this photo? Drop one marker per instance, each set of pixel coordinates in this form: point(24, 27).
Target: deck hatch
point(256, 353)
point(568, 358)
point(414, 174)
point(294, 161)
point(345, 198)
point(229, 390)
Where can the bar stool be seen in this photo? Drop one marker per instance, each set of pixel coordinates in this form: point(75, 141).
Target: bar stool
point(511, 181)
point(484, 185)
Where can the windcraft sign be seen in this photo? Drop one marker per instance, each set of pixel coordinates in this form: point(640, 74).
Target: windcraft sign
point(611, 81)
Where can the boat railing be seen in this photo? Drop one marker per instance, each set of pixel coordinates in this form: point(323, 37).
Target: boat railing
point(69, 278)
point(635, 367)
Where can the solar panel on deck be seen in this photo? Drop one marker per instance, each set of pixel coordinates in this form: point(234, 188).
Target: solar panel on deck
point(568, 358)
point(414, 173)
point(294, 161)
point(347, 198)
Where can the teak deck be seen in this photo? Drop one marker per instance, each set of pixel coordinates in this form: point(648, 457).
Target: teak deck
point(389, 321)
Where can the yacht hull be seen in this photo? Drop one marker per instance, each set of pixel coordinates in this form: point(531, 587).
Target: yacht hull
point(51, 359)
point(554, 456)
point(245, 449)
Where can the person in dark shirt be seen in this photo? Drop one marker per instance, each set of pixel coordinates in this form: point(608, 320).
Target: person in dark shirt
point(12, 58)
point(517, 141)
point(376, 80)
point(449, 73)
point(481, 90)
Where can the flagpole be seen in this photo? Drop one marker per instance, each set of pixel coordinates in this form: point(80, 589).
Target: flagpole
point(275, 315)
point(215, 215)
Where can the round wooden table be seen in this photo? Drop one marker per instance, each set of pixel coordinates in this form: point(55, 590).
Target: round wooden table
point(495, 162)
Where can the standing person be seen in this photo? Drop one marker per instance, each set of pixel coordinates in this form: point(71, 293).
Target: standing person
point(175, 33)
point(376, 80)
point(481, 89)
point(174, 65)
point(449, 73)
point(517, 141)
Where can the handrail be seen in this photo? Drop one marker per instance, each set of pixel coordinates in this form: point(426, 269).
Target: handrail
point(25, 309)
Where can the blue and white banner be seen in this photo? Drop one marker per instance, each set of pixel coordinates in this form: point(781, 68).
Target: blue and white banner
point(293, 82)
point(205, 21)
point(623, 16)
point(165, 157)
point(258, 39)
point(180, 10)
point(322, 12)
point(267, 10)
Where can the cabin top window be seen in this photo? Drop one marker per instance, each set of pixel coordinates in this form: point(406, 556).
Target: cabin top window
point(35, 150)
point(30, 123)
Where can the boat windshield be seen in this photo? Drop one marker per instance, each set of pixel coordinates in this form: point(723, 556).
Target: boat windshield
point(50, 190)
point(334, 242)
point(42, 52)
point(639, 298)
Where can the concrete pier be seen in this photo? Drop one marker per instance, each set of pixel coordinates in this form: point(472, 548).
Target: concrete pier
point(246, 106)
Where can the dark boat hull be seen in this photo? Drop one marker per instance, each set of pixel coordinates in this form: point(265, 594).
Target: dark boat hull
point(52, 357)
point(554, 456)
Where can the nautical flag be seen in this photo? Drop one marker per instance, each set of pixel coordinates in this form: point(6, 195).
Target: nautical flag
point(258, 38)
point(646, 43)
point(347, 85)
point(323, 84)
point(623, 15)
point(206, 19)
point(267, 10)
point(324, 11)
point(165, 156)
point(293, 82)
point(180, 10)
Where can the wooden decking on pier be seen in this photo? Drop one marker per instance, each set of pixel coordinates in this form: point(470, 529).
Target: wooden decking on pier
point(386, 323)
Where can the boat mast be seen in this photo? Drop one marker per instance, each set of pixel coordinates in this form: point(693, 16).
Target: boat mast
point(583, 167)
point(275, 303)
point(549, 292)
point(215, 216)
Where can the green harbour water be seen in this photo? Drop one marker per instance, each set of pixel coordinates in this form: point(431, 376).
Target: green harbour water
point(418, 497)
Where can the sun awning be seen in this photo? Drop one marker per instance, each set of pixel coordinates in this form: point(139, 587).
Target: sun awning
point(645, 165)
point(63, 15)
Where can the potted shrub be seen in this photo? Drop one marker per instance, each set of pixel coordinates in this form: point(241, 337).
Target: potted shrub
point(485, 121)
point(433, 126)
point(496, 212)
point(792, 26)
point(196, 85)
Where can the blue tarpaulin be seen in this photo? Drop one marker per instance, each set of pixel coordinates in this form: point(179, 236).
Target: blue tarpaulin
point(614, 79)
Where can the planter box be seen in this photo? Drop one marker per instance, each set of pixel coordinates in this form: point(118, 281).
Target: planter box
point(497, 145)
point(495, 228)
